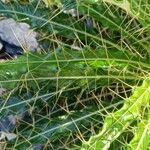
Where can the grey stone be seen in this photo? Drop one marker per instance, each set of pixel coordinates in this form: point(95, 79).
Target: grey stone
point(18, 34)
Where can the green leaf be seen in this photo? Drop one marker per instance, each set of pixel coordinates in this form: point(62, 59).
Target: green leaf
point(90, 66)
point(119, 121)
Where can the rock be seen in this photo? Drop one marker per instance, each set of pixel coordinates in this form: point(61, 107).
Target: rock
point(1, 45)
point(18, 34)
point(9, 136)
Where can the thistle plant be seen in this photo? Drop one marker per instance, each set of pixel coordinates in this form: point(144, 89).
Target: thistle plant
point(89, 86)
